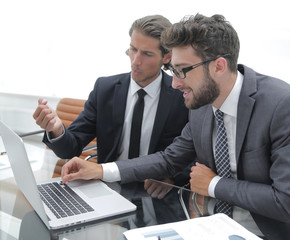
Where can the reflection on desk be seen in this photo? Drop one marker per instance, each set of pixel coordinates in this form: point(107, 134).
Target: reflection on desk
point(19, 221)
point(106, 230)
point(165, 211)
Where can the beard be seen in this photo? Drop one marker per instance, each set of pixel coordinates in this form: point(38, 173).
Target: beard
point(206, 94)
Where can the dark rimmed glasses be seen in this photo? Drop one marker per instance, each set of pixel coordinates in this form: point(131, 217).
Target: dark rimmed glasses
point(181, 72)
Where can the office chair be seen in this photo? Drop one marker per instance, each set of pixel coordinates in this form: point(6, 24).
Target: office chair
point(68, 109)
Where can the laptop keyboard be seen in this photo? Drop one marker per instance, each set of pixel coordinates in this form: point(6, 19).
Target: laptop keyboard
point(62, 200)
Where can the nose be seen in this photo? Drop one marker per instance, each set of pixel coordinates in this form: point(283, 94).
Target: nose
point(136, 59)
point(176, 82)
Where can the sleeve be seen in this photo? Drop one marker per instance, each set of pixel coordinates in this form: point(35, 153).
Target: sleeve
point(79, 133)
point(269, 194)
point(52, 140)
point(160, 165)
point(111, 172)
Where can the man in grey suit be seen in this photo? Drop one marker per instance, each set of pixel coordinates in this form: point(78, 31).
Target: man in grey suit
point(256, 119)
point(108, 111)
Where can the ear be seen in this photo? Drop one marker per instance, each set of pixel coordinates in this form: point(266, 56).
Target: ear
point(167, 57)
point(220, 65)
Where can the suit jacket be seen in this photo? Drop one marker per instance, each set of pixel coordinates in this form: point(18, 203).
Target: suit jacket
point(103, 117)
point(262, 153)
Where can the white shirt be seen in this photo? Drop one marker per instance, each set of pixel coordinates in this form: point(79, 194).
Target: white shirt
point(151, 100)
point(230, 109)
point(110, 170)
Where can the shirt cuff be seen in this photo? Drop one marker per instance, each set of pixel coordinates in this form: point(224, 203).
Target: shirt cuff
point(212, 185)
point(111, 172)
point(52, 140)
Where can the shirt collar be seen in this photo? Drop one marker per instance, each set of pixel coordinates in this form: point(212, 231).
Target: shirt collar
point(230, 105)
point(151, 89)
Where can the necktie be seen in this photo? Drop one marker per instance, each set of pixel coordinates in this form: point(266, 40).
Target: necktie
point(139, 220)
point(222, 160)
point(135, 135)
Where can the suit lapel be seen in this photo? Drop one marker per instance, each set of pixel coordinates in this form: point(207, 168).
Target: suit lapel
point(206, 138)
point(119, 107)
point(165, 100)
point(245, 107)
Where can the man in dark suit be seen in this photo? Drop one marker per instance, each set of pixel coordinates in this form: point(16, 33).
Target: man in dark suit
point(108, 111)
point(234, 109)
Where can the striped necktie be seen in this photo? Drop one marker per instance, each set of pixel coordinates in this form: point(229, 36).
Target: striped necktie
point(222, 160)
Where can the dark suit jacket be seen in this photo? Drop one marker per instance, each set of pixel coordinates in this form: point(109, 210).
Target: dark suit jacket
point(103, 117)
point(262, 153)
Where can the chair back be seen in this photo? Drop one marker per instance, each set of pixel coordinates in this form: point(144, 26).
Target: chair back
point(68, 109)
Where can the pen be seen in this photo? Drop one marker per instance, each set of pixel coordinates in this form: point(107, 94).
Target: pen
point(3, 153)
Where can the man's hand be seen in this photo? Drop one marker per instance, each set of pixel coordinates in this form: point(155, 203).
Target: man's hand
point(47, 118)
point(77, 168)
point(200, 178)
point(157, 190)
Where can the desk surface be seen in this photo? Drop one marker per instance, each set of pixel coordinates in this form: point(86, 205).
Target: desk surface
point(19, 221)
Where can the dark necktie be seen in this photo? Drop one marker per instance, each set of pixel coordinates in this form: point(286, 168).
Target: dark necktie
point(139, 220)
point(222, 160)
point(135, 135)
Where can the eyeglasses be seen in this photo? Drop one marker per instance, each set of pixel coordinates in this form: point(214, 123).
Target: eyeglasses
point(181, 72)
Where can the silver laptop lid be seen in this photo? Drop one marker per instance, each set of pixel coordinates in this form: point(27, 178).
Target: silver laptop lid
point(105, 201)
point(22, 170)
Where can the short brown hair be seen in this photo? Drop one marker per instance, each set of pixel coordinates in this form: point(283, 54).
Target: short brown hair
point(209, 37)
point(152, 26)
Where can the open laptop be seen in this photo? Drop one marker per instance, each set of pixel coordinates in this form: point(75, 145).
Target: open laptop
point(83, 200)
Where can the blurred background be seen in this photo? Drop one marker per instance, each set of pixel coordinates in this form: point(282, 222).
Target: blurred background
point(60, 47)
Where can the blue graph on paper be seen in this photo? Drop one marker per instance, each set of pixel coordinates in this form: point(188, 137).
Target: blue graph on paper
point(164, 234)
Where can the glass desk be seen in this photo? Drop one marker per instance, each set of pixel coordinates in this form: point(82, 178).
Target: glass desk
point(19, 221)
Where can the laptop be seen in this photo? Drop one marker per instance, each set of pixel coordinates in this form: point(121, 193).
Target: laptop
point(83, 201)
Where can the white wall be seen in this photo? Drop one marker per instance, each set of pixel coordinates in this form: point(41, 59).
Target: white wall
point(16, 111)
point(59, 47)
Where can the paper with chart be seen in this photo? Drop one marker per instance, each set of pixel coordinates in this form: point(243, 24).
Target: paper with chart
point(215, 227)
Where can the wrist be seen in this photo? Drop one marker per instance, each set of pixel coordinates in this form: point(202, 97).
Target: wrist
point(212, 185)
point(57, 133)
point(99, 172)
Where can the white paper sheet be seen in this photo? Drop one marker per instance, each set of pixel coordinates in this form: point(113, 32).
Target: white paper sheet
point(215, 227)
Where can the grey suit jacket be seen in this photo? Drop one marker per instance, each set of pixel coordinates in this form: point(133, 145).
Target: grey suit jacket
point(103, 117)
point(262, 153)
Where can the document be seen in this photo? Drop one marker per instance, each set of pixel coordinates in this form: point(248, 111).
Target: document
point(36, 156)
point(214, 227)
point(4, 161)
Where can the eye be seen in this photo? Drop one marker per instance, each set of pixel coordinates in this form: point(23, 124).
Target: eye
point(148, 54)
point(132, 49)
point(179, 70)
